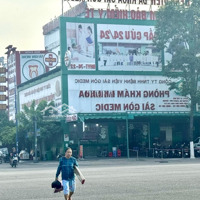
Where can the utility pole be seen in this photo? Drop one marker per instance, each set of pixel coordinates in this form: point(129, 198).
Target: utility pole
point(16, 120)
point(35, 126)
point(127, 136)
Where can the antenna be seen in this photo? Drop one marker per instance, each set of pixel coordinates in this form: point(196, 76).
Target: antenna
point(150, 7)
point(71, 8)
point(108, 7)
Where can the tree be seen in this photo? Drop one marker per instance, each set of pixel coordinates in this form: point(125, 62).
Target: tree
point(48, 130)
point(7, 130)
point(178, 32)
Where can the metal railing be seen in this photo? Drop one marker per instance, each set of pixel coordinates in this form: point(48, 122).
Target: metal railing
point(163, 152)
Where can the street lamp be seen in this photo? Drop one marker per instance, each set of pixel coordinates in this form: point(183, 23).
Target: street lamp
point(17, 142)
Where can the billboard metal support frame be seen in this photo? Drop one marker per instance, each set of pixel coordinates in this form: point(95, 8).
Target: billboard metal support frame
point(127, 136)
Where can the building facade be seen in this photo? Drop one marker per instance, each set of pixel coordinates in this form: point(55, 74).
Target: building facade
point(111, 78)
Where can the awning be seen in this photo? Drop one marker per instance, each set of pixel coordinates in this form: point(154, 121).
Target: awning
point(124, 116)
point(131, 115)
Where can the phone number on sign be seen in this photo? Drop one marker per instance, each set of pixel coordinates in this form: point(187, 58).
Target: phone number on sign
point(81, 66)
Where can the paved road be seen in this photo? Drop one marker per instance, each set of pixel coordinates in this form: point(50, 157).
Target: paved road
point(109, 179)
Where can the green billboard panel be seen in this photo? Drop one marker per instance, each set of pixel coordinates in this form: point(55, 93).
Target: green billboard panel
point(109, 45)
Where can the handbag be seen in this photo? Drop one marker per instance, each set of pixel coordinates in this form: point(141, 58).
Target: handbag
point(57, 185)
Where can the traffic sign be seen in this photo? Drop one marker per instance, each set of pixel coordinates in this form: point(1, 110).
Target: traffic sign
point(3, 79)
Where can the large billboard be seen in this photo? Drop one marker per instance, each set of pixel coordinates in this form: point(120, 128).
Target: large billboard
point(109, 45)
point(123, 93)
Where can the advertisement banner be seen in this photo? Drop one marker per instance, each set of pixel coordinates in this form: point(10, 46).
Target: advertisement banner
point(123, 93)
point(31, 65)
point(81, 44)
point(49, 91)
point(127, 48)
point(13, 70)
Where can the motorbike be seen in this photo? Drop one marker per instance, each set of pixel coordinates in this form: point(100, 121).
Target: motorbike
point(166, 152)
point(157, 150)
point(14, 161)
point(178, 151)
point(186, 150)
point(171, 151)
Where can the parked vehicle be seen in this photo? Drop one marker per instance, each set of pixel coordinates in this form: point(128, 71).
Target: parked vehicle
point(157, 150)
point(1, 157)
point(166, 152)
point(178, 151)
point(197, 143)
point(24, 155)
point(171, 151)
point(197, 147)
point(6, 157)
point(186, 150)
point(197, 152)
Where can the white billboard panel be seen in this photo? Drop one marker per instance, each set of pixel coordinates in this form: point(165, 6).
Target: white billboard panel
point(49, 91)
point(127, 48)
point(12, 82)
point(31, 65)
point(123, 93)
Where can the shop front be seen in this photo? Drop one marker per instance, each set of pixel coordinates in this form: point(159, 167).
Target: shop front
point(127, 136)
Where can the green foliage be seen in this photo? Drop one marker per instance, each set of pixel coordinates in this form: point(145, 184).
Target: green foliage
point(7, 130)
point(48, 130)
point(8, 135)
point(178, 31)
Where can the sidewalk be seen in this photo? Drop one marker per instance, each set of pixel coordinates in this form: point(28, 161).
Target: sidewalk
point(94, 161)
point(139, 161)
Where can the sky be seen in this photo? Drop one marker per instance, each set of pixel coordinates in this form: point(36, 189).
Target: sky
point(21, 22)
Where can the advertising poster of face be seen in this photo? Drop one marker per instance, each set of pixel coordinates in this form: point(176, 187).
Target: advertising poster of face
point(127, 48)
point(81, 44)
